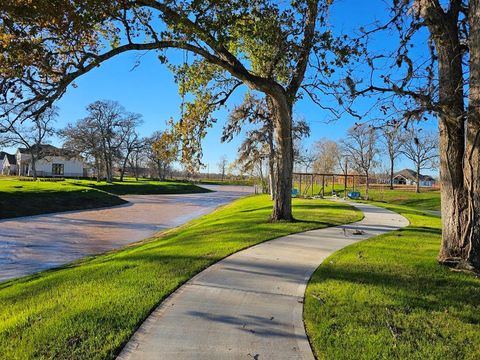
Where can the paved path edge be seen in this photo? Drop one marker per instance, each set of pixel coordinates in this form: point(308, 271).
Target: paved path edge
point(133, 348)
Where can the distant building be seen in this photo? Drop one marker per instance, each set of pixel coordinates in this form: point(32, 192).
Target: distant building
point(2, 157)
point(52, 161)
point(8, 164)
point(409, 177)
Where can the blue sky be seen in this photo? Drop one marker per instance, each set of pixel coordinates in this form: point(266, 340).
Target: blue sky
point(149, 89)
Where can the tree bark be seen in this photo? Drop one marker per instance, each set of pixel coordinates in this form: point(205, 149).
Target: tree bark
point(463, 251)
point(471, 231)
point(271, 171)
point(417, 187)
point(282, 208)
point(34, 168)
point(367, 177)
point(122, 173)
point(452, 140)
point(392, 164)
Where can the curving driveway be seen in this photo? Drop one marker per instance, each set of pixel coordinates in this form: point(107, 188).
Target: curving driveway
point(35, 243)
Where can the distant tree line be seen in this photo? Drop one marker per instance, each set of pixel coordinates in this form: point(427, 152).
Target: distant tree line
point(107, 139)
point(365, 147)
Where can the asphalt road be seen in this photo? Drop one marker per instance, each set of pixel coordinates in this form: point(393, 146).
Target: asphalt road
point(35, 243)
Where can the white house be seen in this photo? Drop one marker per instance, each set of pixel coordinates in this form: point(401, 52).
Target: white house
point(409, 177)
point(8, 164)
point(52, 161)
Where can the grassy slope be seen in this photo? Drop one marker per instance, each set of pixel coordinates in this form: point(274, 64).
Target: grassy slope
point(387, 298)
point(142, 187)
point(428, 200)
point(90, 309)
point(22, 198)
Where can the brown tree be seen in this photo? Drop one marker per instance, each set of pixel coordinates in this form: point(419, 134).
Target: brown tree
point(259, 143)
point(440, 85)
point(327, 156)
point(393, 139)
point(164, 151)
point(422, 150)
point(47, 46)
point(360, 145)
point(30, 134)
point(222, 166)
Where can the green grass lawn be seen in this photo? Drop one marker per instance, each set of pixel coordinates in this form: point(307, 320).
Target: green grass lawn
point(428, 200)
point(246, 182)
point(90, 309)
point(22, 198)
point(387, 298)
point(142, 187)
point(425, 200)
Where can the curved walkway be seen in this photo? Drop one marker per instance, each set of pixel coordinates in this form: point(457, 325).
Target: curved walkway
point(249, 305)
point(34, 243)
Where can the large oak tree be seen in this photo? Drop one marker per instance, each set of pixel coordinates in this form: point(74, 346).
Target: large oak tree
point(443, 81)
point(264, 45)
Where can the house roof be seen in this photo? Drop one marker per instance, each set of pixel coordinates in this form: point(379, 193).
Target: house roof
point(412, 175)
point(47, 150)
point(12, 160)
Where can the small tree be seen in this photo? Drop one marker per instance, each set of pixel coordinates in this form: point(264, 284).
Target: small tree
point(342, 157)
point(139, 156)
point(393, 140)
point(422, 150)
point(304, 156)
point(102, 134)
point(32, 134)
point(326, 156)
point(360, 146)
point(131, 141)
point(259, 143)
point(165, 151)
point(222, 166)
point(82, 138)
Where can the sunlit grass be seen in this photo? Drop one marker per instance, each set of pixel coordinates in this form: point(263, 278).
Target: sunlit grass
point(90, 309)
point(22, 198)
point(426, 200)
point(388, 298)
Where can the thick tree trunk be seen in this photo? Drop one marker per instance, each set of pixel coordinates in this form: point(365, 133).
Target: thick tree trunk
point(282, 208)
point(468, 247)
point(452, 145)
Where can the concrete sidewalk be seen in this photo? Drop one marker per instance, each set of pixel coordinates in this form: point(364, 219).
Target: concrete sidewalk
point(249, 305)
